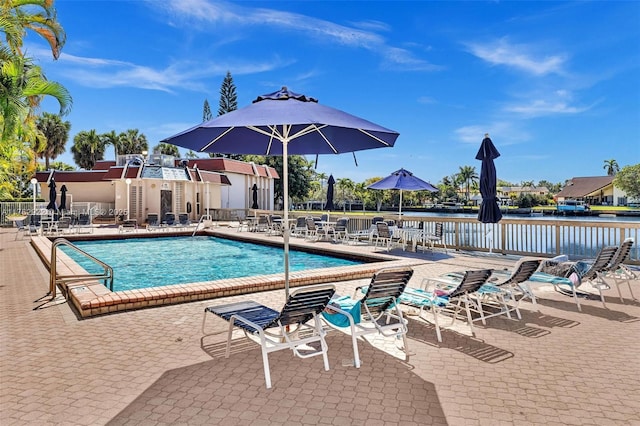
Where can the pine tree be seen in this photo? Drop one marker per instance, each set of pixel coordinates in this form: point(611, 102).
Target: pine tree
point(228, 103)
point(206, 112)
point(228, 97)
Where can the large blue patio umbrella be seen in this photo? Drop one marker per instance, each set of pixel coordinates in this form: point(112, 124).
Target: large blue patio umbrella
point(489, 209)
point(403, 180)
point(283, 123)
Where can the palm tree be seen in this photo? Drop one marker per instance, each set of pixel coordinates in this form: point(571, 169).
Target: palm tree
point(133, 143)
point(87, 149)
point(467, 175)
point(56, 133)
point(346, 186)
point(167, 149)
point(611, 166)
point(18, 16)
point(112, 138)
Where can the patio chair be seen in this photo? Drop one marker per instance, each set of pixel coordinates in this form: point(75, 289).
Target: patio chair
point(449, 296)
point(183, 220)
point(169, 219)
point(64, 225)
point(618, 271)
point(513, 287)
point(376, 219)
point(84, 224)
point(377, 312)
point(312, 229)
point(339, 230)
point(386, 237)
point(300, 228)
point(436, 237)
point(286, 329)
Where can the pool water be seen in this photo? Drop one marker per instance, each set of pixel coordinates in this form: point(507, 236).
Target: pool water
point(153, 262)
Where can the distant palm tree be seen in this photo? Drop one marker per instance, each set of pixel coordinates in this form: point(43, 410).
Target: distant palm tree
point(132, 142)
point(468, 174)
point(167, 149)
point(346, 186)
point(112, 138)
point(611, 166)
point(87, 149)
point(56, 133)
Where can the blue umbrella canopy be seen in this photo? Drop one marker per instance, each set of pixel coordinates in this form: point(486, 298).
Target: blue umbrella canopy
point(283, 123)
point(489, 209)
point(403, 180)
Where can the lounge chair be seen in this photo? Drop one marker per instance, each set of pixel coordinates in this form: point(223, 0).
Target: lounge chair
point(129, 225)
point(377, 312)
point(510, 286)
point(183, 220)
point(303, 305)
point(300, 228)
point(169, 219)
point(593, 272)
point(618, 271)
point(450, 294)
point(84, 224)
point(153, 222)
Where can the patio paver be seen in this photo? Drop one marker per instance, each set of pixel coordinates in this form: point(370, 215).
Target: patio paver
point(152, 366)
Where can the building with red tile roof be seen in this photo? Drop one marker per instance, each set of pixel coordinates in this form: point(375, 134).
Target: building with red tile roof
point(160, 184)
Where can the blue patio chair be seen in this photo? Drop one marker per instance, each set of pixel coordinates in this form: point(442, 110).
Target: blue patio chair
point(275, 330)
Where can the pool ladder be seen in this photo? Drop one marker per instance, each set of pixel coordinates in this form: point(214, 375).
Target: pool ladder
point(202, 219)
point(106, 276)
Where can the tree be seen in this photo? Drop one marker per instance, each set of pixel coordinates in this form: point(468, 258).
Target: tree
point(132, 142)
point(167, 149)
point(56, 133)
point(228, 102)
point(467, 174)
point(206, 112)
point(112, 138)
point(228, 97)
point(611, 166)
point(300, 174)
point(59, 165)
point(628, 179)
point(87, 149)
point(39, 16)
point(345, 186)
point(23, 86)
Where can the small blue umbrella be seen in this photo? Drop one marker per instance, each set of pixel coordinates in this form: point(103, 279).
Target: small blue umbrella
point(403, 180)
point(283, 123)
point(489, 209)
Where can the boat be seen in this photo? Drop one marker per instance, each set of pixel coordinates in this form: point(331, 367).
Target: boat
point(572, 206)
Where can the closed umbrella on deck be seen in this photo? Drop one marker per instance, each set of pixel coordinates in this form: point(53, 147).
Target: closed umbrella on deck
point(52, 196)
point(330, 182)
point(283, 123)
point(489, 209)
point(63, 198)
point(254, 194)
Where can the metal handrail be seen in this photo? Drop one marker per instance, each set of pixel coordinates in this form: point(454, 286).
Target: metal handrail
point(53, 280)
point(202, 219)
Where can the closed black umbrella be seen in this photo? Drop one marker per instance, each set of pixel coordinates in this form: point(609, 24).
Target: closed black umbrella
point(489, 209)
point(254, 194)
point(52, 196)
point(63, 197)
point(331, 182)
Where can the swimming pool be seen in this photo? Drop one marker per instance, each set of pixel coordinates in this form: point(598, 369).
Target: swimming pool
point(153, 262)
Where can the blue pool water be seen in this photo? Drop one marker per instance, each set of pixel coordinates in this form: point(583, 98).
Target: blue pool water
point(152, 262)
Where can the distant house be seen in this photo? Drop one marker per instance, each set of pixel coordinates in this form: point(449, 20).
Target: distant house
point(595, 190)
point(161, 184)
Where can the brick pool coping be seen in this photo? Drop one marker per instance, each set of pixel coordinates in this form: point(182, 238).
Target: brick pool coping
point(92, 297)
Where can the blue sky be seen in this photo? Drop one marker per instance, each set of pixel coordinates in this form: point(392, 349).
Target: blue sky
point(555, 84)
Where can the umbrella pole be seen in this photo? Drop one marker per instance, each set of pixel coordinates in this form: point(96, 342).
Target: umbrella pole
point(400, 209)
point(285, 228)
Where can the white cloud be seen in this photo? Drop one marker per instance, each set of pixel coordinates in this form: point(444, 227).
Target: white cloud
point(557, 102)
point(360, 35)
point(519, 56)
point(501, 133)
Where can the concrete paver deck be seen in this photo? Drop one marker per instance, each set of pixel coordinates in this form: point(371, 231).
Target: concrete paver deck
point(152, 366)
